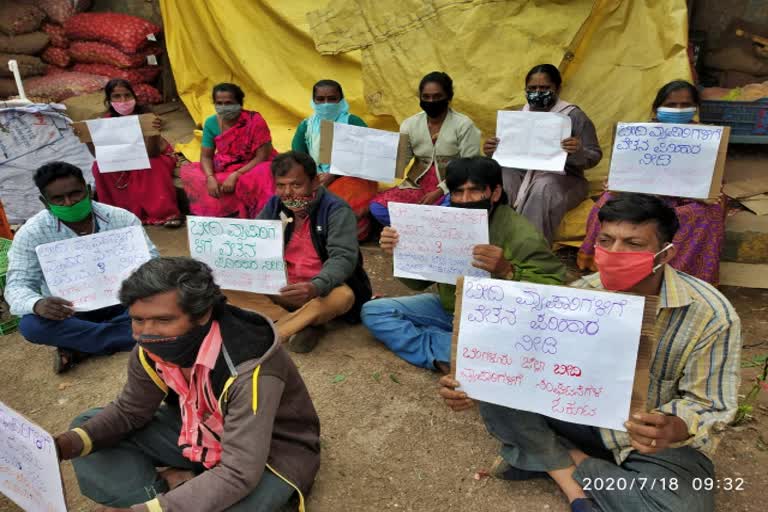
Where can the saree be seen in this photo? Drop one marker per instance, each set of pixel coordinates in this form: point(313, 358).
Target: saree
point(147, 193)
point(235, 147)
point(698, 241)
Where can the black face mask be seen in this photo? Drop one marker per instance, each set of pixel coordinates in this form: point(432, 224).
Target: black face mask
point(179, 350)
point(483, 204)
point(541, 99)
point(434, 108)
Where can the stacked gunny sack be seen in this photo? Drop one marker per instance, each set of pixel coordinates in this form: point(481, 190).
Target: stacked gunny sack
point(63, 52)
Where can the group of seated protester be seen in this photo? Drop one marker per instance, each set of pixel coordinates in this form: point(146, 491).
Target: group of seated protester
point(215, 416)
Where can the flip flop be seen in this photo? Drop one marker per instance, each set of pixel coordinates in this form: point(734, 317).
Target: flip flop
point(173, 223)
point(65, 359)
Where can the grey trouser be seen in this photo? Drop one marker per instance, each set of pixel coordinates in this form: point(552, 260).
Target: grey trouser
point(662, 482)
point(547, 199)
point(125, 474)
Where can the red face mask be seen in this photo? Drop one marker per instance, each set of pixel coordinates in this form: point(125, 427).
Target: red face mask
point(620, 271)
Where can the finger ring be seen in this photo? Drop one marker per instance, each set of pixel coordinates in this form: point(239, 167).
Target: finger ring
point(653, 443)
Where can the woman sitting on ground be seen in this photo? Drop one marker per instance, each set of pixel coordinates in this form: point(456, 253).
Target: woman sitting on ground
point(233, 177)
point(702, 224)
point(328, 103)
point(437, 135)
point(147, 193)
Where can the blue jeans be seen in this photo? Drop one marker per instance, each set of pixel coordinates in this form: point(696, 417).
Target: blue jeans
point(125, 475)
point(381, 213)
point(417, 328)
point(102, 331)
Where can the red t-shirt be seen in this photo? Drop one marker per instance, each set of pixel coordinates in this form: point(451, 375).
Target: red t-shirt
point(301, 258)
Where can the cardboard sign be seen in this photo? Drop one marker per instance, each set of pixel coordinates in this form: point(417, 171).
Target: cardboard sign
point(681, 160)
point(327, 128)
point(88, 270)
point(145, 121)
point(244, 254)
point(436, 242)
point(574, 354)
point(532, 140)
point(29, 467)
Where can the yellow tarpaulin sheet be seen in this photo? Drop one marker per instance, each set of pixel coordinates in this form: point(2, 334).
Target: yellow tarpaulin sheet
point(614, 55)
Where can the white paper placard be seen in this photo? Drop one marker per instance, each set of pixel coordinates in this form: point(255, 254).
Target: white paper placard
point(88, 270)
point(364, 152)
point(244, 254)
point(435, 242)
point(665, 159)
point(532, 140)
point(119, 143)
point(567, 353)
point(29, 468)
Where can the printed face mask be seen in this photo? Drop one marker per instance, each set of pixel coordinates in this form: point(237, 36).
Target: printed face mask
point(540, 99)
point(229, 112)
point(620, 271)
point(297, 203)
point(330, 111)
point(74, 213)
point(675, 115)
point(124, 108)
point(177, 350)
point(434, 108)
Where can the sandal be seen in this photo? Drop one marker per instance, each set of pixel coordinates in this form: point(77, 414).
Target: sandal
point(65, 359)
point(173, 223)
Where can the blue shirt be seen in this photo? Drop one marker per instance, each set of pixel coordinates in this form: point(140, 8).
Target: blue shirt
point(25, 283)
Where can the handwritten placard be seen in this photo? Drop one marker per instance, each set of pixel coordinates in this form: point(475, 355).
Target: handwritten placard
point(436, 241)
point(685, 160)
point(244, 254)
point(567, 353)
point(29, 468)
point(88, 270)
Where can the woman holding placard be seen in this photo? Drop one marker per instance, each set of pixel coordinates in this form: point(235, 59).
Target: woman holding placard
point(545, 197)
point(147, 193)
point(702, 224)
point(328, 103)
point(437, 135)
point(233, 177)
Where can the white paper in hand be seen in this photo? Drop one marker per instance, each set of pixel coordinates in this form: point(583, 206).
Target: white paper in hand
point(436, 242)
point(88, 270)
point(364, 152)
point(119, 143)
point(532, 140)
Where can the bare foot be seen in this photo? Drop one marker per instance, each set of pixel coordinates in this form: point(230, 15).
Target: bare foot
point(175, 477)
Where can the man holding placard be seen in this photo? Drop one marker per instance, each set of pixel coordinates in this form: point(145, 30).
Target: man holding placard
point(418, 328)
point(49, 320)
point(324, 266)
point(664, 455)
point(211, 394)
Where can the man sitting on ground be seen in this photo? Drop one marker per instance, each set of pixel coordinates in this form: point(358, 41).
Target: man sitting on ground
point(326, 279)
point(238, 427)
point(655, 465)
point(418, 328)
point(47, 320)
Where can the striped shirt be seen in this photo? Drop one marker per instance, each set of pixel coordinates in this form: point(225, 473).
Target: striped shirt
point(25, 281)
point(695, 370)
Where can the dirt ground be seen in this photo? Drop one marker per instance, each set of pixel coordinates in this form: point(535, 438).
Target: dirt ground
point(388, 441)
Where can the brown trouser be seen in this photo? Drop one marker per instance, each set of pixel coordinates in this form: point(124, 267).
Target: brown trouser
point(317, 311)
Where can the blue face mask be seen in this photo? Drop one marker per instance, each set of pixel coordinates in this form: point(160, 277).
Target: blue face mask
point(330, 111)
point(675, 115)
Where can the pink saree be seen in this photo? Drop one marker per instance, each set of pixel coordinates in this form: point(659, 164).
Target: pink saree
point(234, 148)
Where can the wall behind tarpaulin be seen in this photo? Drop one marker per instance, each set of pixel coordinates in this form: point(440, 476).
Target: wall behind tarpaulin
point(614, 54)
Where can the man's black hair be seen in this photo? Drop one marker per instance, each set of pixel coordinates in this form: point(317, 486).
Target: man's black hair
point(53, 171)
point(639, 209)
point(285, 161)
point(480, 170)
